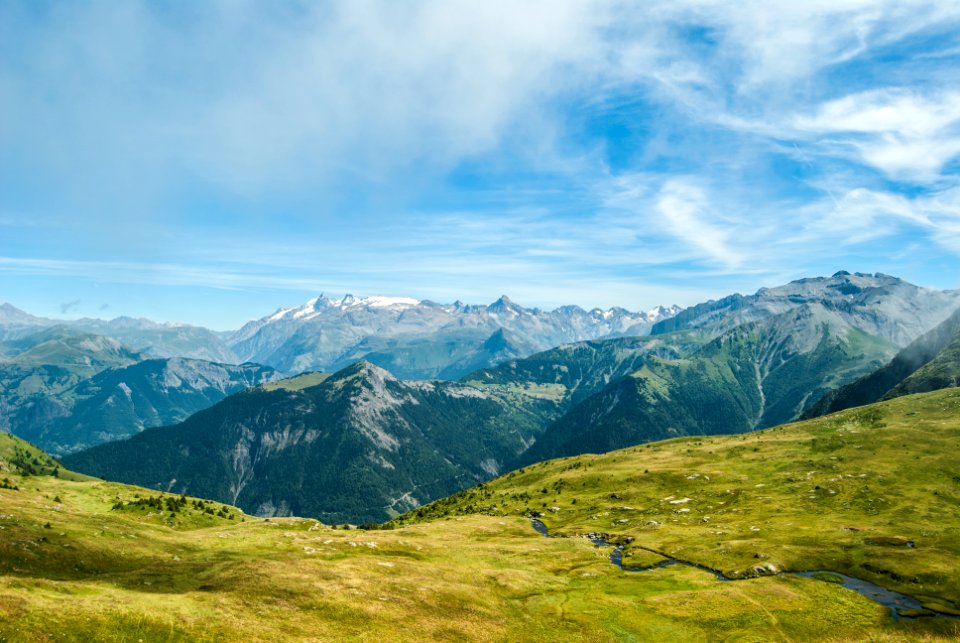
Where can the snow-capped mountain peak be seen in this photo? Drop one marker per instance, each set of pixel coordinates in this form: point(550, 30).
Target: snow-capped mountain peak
point(325, 332)
point(662, 312)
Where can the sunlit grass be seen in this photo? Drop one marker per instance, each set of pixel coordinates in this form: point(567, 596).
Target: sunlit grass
point(98, 573)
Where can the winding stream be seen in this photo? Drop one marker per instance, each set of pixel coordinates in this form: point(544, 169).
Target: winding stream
point(894, 601)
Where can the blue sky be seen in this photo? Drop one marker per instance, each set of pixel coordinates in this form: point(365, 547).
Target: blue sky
point(209, 162)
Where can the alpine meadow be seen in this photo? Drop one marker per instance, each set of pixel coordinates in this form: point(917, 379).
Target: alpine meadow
point(480, 321)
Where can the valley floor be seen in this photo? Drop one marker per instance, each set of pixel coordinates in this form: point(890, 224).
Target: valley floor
point(83, 559)
point(94, 575)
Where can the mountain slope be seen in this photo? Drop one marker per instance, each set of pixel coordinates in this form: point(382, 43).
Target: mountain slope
point(572, 372)
point(359, 446)
point(46, 364)
point(15, 323)
point(156, 339)
point(929, 363)
point(83, 354)
point(765, 358)
point(943, 371)
point(422, 339)
point(757, 375)
point(119, 402)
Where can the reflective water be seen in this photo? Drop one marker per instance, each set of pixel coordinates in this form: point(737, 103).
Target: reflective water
point(894, 601)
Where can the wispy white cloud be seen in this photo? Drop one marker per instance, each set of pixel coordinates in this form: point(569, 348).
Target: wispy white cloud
point(904, 134)
point(439, 149)
point(683, 208)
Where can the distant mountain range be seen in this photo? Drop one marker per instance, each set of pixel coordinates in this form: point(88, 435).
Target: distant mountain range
point(411, 338)
point(120, 402)
point(361, 444)
point(421, 339)
point(153, 339)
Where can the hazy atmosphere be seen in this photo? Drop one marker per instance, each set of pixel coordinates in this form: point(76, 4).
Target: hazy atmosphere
point(210, 162)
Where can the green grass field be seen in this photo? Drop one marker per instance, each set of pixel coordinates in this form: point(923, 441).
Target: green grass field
point(89, 560)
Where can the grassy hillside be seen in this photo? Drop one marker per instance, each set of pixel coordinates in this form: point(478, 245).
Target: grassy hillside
point(870, 492)
point(90, 560)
